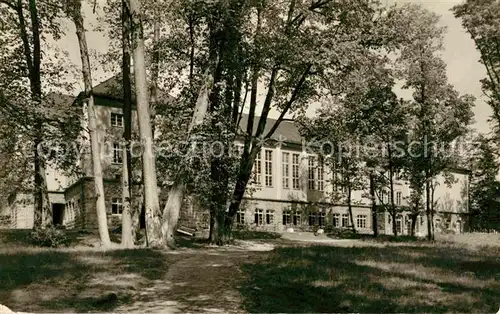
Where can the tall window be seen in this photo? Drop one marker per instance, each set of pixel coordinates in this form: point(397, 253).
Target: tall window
point(117, 153)
point(385, 197)
point(311, 178)
point(336, 220)
point(257, 169)
point(321, 174)
point(345, 220)
point(312, 219)
point(285, 170)
point(287, 217)
point(116, 206)
point(399, 224)
point(321, 219)
point(361, 221)
point(240, 217)
point(269, 167)
point(259, 216)
point(398, 198)
point(295, 171)
point(297, 220)
point(116, 119)
point(269, 216)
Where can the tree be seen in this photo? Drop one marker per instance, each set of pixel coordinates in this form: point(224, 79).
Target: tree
point(440, 114)
point(128, 230)
point(74, 12)
point(151, 202)
point(333, 125)
point(484, 187)
point(23, 37)
point(294, 72)
point(480, 20)
point(381, 120)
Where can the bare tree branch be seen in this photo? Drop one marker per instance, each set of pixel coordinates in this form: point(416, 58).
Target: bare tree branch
point(290, 102)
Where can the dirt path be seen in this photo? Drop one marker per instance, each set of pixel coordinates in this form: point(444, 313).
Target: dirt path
point(202, 281)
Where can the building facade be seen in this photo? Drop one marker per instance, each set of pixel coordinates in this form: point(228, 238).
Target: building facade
point(290, 188)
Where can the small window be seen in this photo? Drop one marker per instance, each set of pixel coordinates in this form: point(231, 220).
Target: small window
point(385, 197)
point(361, 221)
point(269, 216)
point(321, 175)
point(116, 119)
point(257, 169)
point(259, 216)
point(295, 172)
point(345, 220)
point(321, 219)
point(268, 155)
point(287, 217)
point(116, 206)
point(311, 181)
point(285, 170)
point(312, 219)
point(399, 224)
point(398, 198)
point(117, 153)
point(240, 217)
point(336, 220)
point(297, 220)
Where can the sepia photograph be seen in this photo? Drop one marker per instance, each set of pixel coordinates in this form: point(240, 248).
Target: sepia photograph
point(249, 156)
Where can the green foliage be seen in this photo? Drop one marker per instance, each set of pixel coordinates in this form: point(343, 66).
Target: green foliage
point(49, 236)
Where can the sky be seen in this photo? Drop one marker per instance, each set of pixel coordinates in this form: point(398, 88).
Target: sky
point(460, 54)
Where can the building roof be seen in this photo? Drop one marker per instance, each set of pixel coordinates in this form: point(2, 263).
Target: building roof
point(113, 88)
point(287, 131)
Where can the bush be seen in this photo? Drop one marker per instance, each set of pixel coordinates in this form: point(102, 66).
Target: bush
point(48, 237)
point(341, 233)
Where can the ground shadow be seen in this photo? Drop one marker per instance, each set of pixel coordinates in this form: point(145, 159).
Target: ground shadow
point(372, 280)
point(43, 280)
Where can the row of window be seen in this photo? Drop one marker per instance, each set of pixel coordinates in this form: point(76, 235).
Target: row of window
point(398, 197)
point(289, 166)
point(262, 217)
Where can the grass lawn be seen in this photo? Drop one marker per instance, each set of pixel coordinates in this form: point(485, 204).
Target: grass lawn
point(397, 277)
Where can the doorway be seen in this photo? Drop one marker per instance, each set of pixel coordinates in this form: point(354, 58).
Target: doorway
point(57, 214)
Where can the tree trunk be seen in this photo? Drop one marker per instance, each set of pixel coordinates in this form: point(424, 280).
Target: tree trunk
point(128, 228)
point(413, 224)
point(432, 211)
point(394, 224)
point(43, 204)
point(349, 207)
point(374, 206)
point(223, 226)
point(428, 210)
point(391, 191)
point(42, 208)
point(245, 172)
point(414, 216)
point(151, 201)
point(172, 209)
point(76, 15)
point(155, 71)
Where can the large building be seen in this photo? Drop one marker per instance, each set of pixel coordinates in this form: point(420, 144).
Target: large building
point(290, 187)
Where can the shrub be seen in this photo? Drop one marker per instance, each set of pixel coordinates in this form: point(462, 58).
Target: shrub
point(48, 237)
point(341, 233)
